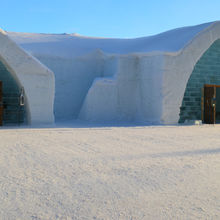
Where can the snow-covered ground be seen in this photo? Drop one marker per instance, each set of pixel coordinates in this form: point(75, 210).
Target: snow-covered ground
point(152, 172)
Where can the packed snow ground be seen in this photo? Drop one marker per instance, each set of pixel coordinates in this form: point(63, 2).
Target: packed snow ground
point(152, 172)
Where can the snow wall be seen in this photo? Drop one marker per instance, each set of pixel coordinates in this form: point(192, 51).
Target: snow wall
point(36, 79)
point(133, 93)
point(74, 78)
point(107, 88)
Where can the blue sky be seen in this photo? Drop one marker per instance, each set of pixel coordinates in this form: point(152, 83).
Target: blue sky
point(105, 18)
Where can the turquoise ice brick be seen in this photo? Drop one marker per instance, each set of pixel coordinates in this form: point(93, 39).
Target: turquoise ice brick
point(186, 99)
point(206, 71)
point(13, 112)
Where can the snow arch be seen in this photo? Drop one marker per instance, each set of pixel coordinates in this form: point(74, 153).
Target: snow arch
point(36, 79)
point(178, 68)
point(206, 71)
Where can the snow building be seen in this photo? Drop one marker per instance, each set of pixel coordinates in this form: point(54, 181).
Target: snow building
point(167, 78)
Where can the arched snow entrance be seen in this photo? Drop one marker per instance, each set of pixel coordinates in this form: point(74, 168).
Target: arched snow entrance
point(206, 71)
point(24, 71)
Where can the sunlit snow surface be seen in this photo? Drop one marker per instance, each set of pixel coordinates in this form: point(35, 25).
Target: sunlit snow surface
point(69, 46)
point(79, 171)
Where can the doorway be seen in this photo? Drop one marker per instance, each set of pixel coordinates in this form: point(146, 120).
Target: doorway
point(1, 104)
point(211, 104)
point(12, 111)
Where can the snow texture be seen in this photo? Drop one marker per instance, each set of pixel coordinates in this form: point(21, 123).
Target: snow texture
point(71, 45)
point(141, 79)
point(154, 172)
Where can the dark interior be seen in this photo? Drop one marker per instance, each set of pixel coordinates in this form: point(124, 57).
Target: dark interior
point(217, 105)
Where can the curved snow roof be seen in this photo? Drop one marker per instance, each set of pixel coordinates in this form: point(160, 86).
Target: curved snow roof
point(71, 45)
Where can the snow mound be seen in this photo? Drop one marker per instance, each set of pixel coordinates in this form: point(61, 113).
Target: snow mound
point(71, 45)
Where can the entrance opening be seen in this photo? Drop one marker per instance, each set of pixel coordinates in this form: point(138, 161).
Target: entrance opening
point(1, 105)
point(12, 111)
point(211, 104)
